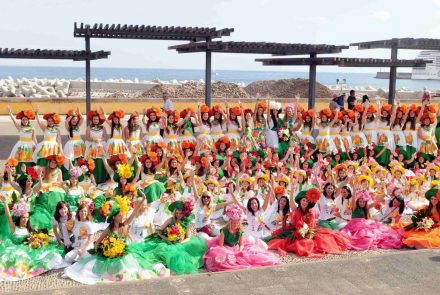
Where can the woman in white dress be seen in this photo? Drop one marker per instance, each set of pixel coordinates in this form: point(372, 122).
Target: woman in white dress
point(410, 129)
point(186, 125)
point(96, 136)
point(397, 126)
point(358, 138)
point(24, 148)
point(142, 224)
point(51, 144)
point(204, 124)
point(233, 124)
point(273, 115)
point(133, 135)
point(370, 127)
point(74, 148)
point(217, 122)
point(171, 129)
point(385, 139)
point(308, 125)
point(116, 144)
point(324, 143)
point(153, 125)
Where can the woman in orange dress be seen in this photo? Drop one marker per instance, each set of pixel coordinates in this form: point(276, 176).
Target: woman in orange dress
point(425, 232)
point(308, 239)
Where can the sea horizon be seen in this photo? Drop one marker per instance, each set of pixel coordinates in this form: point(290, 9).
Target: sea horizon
point(353, 79)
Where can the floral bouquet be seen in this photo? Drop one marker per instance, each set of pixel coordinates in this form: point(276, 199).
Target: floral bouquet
point(112, 246)
point(425, 224)
point(306, 232)
point(284, 134)
point(420, 221)
point(38, 240)
point(175, 233)
point(106, 208)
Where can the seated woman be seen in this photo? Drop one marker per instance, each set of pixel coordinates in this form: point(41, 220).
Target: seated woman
point(231, 250)
point(115, 258)
point(26, 254)
point(424, 231)
point(307, 239)
point(364, 233)
point(173, 244)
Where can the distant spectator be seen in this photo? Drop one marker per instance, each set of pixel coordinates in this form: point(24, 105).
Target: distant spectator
point(337, 102)
point(351, 100)
point(365, 99)
point(426, 96)
point(167, 102)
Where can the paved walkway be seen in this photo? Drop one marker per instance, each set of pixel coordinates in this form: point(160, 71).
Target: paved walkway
point(401, 272)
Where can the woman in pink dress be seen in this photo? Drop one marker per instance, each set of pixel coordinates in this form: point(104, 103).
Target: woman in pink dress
point(364, 233)
point(231, 250)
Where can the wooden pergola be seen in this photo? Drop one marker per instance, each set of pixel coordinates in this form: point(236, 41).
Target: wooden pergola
point(395, 44)
point(143, 32)
point(75, 55)
point(340, 62)
point(260, 48)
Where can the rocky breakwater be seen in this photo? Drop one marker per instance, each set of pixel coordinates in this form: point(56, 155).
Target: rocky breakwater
point(34, 88)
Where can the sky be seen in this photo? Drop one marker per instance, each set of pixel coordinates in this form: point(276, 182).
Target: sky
point(49, 24)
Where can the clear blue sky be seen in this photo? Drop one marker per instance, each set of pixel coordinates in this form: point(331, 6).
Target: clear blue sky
point(49, 24)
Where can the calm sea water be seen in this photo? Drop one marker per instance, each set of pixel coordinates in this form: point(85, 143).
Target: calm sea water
point(328, 78)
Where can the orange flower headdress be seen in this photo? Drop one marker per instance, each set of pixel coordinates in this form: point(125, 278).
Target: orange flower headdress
point(387, 108)
point(12, 162)
point(262, 105)
point(56, 118)
point(94, 113)
point(326, 112)
point(129, 188)
point(187, 111)
point(359, 108)
point(235, 110)
point(225, 140)
point(188, 145)
point(173, 113)
point(403, 108)
point(72, 113)
point(120, 157)
point(216, 109)
point(371, 109)
point(205, 109)
point(58, 158)
point(309, 113)
point(150, 155)
point(26, 113)
point(157, 111)
point(118, 114)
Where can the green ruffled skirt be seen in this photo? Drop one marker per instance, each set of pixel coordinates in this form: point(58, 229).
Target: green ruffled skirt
point(44, 209)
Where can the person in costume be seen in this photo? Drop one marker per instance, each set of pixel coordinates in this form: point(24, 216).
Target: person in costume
point(324, 143)
point(324, 208)
point(74, 192)
point(358, 138)
point(400, 117)
point(82, 235)
point(410, 129)
point(173, 244)
point(87, 179)
point(116, 258)
point(308, 125)
point(424, 230)
point(186, 125)
point(24, 148)
point(335, 133)
point(217, 122)
point(171, 119)
point(62, 225)
point(343, 206)
point(370, 126)
point(362, 232)
point(96, 137)
point(153, 125)
point(233, 251)
point(275, 123)
point(74, 149)
point(303, 237)
point(205, 208)
point(116, 144)
point(26, 254)
point(51, 144)
point(51, 193)
point(133, 135)
point(232, 123)
point(260, 123)
point(385, 139)
point(142, 224)
point(204, 124)
point(426, 135)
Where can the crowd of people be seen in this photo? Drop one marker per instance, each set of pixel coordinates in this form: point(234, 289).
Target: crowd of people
point(220, 188)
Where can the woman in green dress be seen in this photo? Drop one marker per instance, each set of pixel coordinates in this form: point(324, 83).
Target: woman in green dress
point(173, 245)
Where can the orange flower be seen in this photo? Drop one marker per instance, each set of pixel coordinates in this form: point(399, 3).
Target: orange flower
point(134, 115)
point(217, 108)
point(279, 190)
point(188, 145)
point(359, 108)
point(371, 109)
point(123, 158)
point(153, 157)
point(204, 161)
point(162, 144)
point(119, 114)
point(70, 112)
point(413, 108)
point(12, 162)
point(350, 114)
point(327, 112)
point(91, 165)
point(309, 113)
point(313, 195)
point(54, 116)
point(235, 110)
point(204, 109)
point(179, 158)
point(262, 105)
point(403, 108)
point(387, 107)
point(26, 113)
point(60, 159)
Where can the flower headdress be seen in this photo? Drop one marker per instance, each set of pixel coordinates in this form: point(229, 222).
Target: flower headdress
point(86, 165)
point(225, 140)
point(12, 162)
point(71, 113)
point(152, 156)
point(118, 114)
point(94, 113)
point(309, 113)
point(364, 195)
point(371, 109)
point(235, 110)
point(58, 158)
point(129, 188)
point(327, 112)
point(120, 157)
point(157, 111)
point(187, 207)
point(187, 111)
point(125, 171)
point(25, 113)
point(21, 208)
point(56, 118)
point(234, 212)
point(123, 204)
point(188, 145)
point(76, 172)
point(262, 105)
point(173, 113)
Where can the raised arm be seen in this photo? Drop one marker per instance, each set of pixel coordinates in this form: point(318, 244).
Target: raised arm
point(8, 213)
point(17, 125)
point(37, 117)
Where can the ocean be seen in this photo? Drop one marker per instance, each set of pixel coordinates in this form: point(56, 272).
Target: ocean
point(327, 78)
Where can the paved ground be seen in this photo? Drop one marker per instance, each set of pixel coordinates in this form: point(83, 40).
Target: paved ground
point(395, 272)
